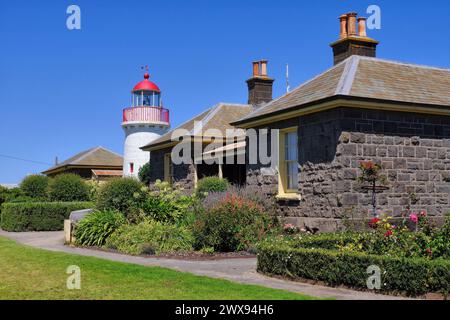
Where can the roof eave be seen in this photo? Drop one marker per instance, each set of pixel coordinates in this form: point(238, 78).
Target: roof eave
point(340, 101)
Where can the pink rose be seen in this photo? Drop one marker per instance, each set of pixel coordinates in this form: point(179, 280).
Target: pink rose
point(413, 217)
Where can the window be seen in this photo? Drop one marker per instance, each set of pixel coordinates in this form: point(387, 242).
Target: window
point(131, 167)
point(168, 168)
point(288, 179)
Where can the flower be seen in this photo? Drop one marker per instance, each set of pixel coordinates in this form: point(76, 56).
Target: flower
point(374, 223)
point(290, 228)
point(423, 213)
point(413, 217)
point(429, 252)
point(388, 233)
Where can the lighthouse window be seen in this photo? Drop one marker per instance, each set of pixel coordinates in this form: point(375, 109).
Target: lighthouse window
point(147, 100)
point(131, 167)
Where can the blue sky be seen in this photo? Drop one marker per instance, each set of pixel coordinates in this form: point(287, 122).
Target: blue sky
point(63, 91)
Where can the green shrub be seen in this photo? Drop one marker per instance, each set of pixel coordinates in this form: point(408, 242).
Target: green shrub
point(144, 174)
point(232, 224)
point(3, 194)
point(167, 204)
point(211, 184)
point(122, 194)
point(35, 186)
point(414, 276)
point(14, 195)
point(38, 216)
point(96, 227)
point(93, 187)
point(150, 237)
point(69, 187)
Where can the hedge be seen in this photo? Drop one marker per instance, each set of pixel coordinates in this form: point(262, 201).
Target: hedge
point(38, 216)
point(413, 276)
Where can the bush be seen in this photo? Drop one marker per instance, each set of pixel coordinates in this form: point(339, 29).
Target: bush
point(123, 194)
point(211, 184)
point(167, 204)
point(414, 276)
point(267, 203)
point(35, 186)
point(69, 187)
point(150, 237)
point(232, 224)
point(38, 216)
point(14, 195)
point(95, 228)
point(144, 174)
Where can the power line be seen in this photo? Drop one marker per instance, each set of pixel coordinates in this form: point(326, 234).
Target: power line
point(25, 160)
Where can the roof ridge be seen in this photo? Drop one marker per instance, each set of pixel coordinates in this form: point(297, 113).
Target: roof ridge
point(110, 151)
point(87, 152)
point(348, 76)
point(405, 63)
point(297, 88)
point(206, 119)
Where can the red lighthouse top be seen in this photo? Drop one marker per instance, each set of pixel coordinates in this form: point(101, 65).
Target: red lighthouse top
point(146, 85)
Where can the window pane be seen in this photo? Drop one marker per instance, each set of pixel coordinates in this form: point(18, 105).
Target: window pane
point(292, 175)
point(291, 146)
point(291, 157)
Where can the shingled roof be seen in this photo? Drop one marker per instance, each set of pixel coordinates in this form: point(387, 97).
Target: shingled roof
point(369, 78)
point(98, 157)
point(217, 117)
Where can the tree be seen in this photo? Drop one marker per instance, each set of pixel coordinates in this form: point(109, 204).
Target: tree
point(35, 186)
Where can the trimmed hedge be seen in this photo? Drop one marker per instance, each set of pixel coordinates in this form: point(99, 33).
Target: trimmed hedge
point(413, 276)
point(38, 216)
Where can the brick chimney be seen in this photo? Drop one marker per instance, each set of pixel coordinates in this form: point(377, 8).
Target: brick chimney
point(353, 39)
point(259, 85)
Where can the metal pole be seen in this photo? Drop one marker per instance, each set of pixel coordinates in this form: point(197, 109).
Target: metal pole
point(374, 199)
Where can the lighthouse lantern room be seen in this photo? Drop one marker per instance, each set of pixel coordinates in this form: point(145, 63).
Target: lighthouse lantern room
point(145, 121)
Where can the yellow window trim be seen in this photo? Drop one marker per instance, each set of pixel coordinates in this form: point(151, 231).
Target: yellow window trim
point(283, 192)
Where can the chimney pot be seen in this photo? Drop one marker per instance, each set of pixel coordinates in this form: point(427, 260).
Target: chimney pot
point(351, 21)
point(362, 27)
point(343, 32)
point(259, 85)
point(264, 68)
point(256, 68)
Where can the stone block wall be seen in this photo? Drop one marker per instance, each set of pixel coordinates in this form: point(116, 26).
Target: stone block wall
point(414, 150)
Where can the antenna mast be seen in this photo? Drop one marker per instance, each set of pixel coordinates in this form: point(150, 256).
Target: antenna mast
point(288, 86)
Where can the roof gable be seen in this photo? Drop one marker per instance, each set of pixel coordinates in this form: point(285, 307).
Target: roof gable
point(217, 117)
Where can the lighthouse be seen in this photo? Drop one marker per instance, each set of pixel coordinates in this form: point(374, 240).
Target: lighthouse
point(143, 122)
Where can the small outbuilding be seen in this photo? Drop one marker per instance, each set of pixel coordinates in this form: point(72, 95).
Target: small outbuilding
point(97, 163)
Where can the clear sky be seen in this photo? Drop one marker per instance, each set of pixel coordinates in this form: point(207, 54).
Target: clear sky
point(63, 91)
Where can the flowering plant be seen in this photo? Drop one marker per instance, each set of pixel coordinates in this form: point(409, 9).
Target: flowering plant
point(370, 172)
point(289, 228)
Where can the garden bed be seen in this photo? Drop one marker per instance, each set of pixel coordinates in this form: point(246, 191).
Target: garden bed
point(332, 260)
point(188, 255)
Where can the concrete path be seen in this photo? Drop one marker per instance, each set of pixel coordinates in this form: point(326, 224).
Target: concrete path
point(241, 270)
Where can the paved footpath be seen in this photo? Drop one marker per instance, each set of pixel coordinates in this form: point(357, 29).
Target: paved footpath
point(242, 270)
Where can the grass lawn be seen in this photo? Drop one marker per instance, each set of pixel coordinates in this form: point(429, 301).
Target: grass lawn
point(29, 273)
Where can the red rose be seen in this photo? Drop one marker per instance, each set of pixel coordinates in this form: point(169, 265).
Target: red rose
point(374, 223)
point(388, 233)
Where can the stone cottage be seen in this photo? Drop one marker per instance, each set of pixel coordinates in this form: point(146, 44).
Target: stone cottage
point(363, 108)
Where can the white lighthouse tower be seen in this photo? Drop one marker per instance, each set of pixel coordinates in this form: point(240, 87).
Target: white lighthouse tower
point(145, 121)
